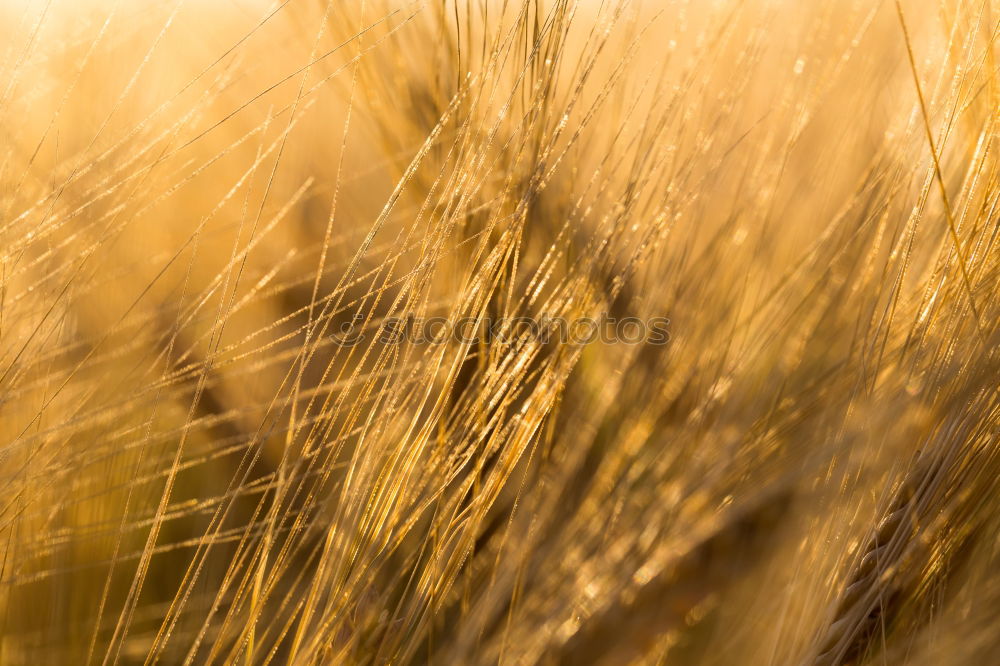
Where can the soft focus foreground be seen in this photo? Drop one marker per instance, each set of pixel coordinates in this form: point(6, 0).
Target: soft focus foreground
point(210, 452)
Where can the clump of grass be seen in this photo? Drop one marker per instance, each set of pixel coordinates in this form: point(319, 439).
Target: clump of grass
point(212, 451)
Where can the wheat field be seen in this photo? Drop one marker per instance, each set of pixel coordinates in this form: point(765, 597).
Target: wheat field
point(499, 332)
